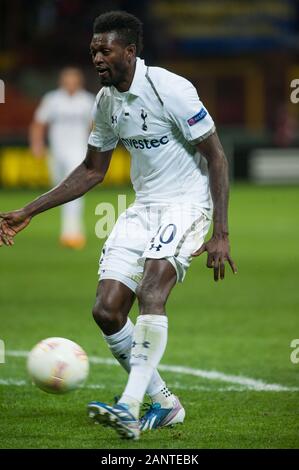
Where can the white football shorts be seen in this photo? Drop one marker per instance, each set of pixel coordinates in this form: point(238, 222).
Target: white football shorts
point(168, 231)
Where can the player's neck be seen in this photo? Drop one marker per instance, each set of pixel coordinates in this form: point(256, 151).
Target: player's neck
point(125, 84)
point(71, 92)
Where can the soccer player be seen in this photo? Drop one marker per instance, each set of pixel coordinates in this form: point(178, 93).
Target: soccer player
point(66, 114)
point(178, 170)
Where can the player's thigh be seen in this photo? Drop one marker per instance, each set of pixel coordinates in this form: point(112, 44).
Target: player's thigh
point(113, 298)
point(158, 279)
point(121, 252)
point(182, 230)
point(112, 306)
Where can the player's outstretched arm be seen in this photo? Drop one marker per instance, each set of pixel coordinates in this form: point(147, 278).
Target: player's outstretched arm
point(88, 174)
point(217, 247)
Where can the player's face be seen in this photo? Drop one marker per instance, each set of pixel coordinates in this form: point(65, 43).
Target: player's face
point(71, 80)
point(111, 58)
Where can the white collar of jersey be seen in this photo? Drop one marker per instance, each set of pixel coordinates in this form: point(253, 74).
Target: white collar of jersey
point(137, 83)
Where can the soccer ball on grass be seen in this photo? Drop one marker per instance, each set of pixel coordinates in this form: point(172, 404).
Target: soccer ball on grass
point(58, 365)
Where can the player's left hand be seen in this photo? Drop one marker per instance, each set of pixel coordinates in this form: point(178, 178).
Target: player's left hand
point(218, 250)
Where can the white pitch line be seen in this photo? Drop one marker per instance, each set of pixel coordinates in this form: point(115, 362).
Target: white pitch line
point(246, 382)
point(175, 385)
point(17, 383)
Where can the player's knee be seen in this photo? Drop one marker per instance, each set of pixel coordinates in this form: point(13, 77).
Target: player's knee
point(106, 314)
point(151, 299)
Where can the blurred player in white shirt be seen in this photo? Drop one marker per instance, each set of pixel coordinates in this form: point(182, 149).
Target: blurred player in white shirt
point(178, 170)
point(65, 115)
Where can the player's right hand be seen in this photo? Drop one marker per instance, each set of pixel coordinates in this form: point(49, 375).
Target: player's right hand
point(10, 224)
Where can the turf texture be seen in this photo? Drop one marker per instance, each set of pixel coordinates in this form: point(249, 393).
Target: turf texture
point(242, 326)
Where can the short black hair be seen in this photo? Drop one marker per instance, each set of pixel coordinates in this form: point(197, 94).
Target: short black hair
point(128, 27)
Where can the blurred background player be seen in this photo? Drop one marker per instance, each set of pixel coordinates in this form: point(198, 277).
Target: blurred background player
point(65, 116)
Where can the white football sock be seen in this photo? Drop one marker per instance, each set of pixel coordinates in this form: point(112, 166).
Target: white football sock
point(120, 344)
point(165, 397)
point(149, 343)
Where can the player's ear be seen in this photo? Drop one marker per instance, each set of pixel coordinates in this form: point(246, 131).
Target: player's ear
point(131, 52)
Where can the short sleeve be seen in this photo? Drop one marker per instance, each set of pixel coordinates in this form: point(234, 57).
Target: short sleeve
point(43, 113)
point(185, 109)
point(102, 136)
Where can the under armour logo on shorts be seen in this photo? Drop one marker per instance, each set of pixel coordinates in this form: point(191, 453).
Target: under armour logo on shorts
point(157, 247)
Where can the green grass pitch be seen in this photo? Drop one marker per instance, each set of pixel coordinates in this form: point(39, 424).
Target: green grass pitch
point(242, 326)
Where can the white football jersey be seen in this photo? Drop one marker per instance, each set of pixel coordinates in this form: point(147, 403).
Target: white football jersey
point(69, 118)
point(159, 120)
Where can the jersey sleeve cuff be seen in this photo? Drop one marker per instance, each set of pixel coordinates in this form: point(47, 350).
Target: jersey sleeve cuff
point(101, 149)
point(203, 137)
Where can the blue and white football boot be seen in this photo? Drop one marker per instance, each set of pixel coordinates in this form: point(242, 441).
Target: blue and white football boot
point(117, 416)
point(158, 417)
